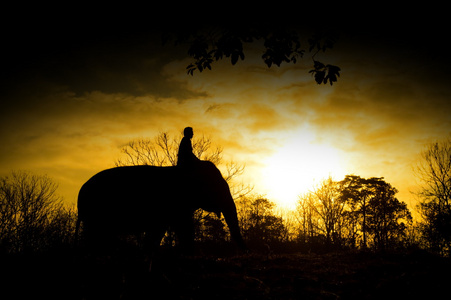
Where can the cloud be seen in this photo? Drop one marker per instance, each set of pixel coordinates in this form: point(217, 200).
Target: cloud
point(263, 117)
point(71, 120)
point(62, 134)
point(130, 64)
point(384, 108)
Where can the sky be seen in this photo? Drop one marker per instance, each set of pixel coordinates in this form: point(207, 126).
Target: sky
point(73, 98)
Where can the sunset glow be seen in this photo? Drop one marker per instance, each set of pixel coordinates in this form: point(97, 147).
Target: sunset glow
point(297, 166)
point(69, 116)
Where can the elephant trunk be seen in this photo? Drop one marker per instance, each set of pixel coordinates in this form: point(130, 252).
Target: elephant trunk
point(231, 218)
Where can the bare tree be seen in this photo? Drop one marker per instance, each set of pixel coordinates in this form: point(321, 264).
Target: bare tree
point(329, 207)
point(434, 172)
point(160, 151)
point(29, 208)
point(163, 149)
point(307, 223)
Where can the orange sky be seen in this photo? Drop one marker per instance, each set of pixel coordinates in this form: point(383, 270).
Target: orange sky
point(67, 114)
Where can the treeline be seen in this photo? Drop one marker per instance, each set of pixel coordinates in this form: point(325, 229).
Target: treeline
point(354, 213)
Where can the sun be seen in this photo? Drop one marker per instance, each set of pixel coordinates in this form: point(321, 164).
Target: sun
point(297, 166)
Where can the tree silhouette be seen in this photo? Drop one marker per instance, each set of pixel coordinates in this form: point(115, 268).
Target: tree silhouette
point(281, 43)
point(329, 207)
point(32, 216)
point(434, 172)
point(387, 216)
point(355, 195)
point(306, 219)
point(355, 191)
point(344, 212)
point(260, 225)
point(209, 228)
point(162, 151)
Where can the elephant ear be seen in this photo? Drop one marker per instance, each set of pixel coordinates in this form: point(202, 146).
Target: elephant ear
point(212, 188)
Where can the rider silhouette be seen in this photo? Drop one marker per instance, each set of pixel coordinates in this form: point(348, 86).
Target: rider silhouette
point(185, 155)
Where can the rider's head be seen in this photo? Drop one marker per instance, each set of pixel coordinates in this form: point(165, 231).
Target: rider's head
point(188, 132)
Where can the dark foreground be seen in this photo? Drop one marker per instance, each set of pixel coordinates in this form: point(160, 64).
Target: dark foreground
point(69, 275)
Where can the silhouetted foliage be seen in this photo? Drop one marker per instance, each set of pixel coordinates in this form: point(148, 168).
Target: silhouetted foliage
point(356, 193)
point(281, 45)
point(324, 73)
point(210, 228)
point(434, 172)
point(259, 223)
point(353, 212)
point(32, 216)
point(387, 216)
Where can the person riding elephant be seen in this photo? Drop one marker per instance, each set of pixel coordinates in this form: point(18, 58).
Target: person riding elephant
point(186, 157)
point(137, 200)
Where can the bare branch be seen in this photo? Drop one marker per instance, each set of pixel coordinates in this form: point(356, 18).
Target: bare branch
point(163, 151)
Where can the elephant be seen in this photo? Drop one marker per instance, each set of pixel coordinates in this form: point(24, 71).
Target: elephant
point(148, 199)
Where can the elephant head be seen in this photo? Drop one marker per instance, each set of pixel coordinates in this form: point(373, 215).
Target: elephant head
point(214, 196)
point(150, 199)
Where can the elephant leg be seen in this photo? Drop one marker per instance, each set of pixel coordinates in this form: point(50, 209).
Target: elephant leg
point(184, 228)
point(152, 240)
point(95, 238)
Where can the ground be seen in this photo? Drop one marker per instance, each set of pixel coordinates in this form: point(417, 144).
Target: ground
point(69, 274)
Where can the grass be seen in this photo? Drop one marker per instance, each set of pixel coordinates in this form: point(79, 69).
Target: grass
point(70, 274)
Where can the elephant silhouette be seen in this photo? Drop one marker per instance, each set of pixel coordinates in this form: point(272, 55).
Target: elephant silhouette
point(149, 199)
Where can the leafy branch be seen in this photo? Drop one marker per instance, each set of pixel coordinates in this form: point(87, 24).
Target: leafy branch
point(280, 46)
point(324, 73)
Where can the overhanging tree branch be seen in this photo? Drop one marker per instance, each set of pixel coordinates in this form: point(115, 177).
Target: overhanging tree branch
point(281, 44)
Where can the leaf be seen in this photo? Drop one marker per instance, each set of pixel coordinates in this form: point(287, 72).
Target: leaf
point(333, 73)
point(218, 54)
point(267, 58)
point(234, 58)
point(319, 76)
point(318, 65)
point(325, 73)
point(191, 68)
point(268, 62)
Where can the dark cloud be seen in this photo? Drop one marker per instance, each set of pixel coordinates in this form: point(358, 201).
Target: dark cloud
point(131, 64)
